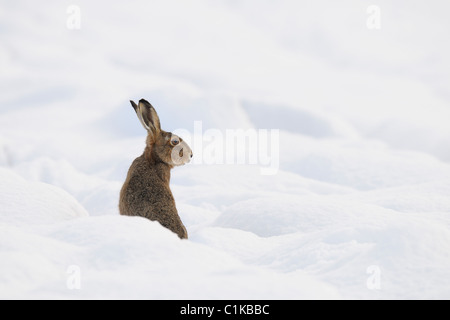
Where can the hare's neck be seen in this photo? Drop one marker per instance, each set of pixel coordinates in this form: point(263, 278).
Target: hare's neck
point(163, 171)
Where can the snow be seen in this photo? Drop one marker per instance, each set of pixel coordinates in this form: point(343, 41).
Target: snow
point(358, 208)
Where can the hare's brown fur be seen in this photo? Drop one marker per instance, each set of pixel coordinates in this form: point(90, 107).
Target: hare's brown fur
point(146, 191)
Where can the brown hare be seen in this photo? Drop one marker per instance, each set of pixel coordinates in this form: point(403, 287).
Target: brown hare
point(146, 192)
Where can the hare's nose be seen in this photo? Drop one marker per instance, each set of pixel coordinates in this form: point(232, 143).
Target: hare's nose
point(192, 154)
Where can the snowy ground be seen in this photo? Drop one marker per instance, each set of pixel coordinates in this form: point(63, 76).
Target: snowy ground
point(358, 208)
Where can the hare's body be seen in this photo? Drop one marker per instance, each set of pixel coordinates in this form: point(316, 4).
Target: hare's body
point(146, 191)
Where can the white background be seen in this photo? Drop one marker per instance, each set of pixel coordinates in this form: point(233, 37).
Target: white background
point(364, 177)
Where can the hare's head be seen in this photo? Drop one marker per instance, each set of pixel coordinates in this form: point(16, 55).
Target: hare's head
point(163, 146)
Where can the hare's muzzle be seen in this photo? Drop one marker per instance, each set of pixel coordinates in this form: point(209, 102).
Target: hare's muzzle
point(181, 154)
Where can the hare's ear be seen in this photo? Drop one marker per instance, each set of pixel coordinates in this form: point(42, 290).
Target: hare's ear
point(147, 115)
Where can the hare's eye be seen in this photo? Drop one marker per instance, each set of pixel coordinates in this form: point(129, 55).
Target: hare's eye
point(174, 141)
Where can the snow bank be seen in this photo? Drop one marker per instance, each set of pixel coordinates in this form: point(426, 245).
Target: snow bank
point(33, 203)
point(358, 164)
point(133, 258)
point(47, 236)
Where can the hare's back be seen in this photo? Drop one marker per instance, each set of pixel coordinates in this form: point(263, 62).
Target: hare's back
point(145, 192)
